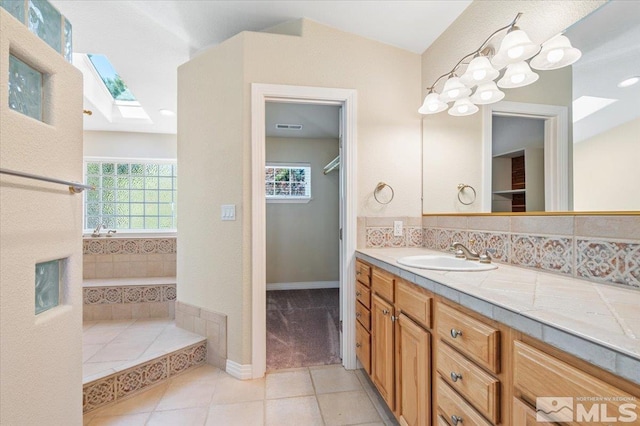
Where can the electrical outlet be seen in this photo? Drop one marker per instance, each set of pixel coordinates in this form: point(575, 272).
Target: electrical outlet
point(397, 228)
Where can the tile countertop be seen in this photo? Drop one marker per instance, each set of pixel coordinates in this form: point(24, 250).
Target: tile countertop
point(596, 322)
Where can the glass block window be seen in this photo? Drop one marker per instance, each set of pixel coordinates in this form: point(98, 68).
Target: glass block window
point(288, 181)
point(47, 285)
point(25, 88)
point(14, 7)
point(130, 196)
point(46, 22)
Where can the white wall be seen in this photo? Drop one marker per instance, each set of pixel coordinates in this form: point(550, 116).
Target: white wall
point(41, 356)
point(515, 133)
point(606, 170)
point(130, 145)
point(214, 147)
point(302, 238)
point(460, 138)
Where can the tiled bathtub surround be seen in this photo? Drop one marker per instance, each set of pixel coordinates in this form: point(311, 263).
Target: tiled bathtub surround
point(598, 248)
point(209, 324)
point(129, 257)
point(107, 299)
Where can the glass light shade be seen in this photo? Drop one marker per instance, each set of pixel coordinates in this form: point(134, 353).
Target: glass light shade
point(517, 75)
point(487, 93)
point(515, 47)
point(479, 71)
point(463, 107)
point(453, 90)
point(556, 53)
point(432, 104)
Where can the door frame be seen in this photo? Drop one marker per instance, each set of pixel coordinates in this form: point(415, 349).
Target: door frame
point(347, 98)
point(557, 167)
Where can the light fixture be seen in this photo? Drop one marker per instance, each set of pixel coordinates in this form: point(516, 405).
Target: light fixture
point(479, 71)
point(515, 50)
point(517, 75)
point(453, 90)
point(487, 93)
point(463, 107)
point(628, 82)
point(556, 53)
point(432, 104)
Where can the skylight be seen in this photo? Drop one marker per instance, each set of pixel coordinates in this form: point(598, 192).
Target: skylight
point(584, 106)
point(110, 78)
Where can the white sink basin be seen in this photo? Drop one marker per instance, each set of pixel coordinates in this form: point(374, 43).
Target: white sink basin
point(445, 263)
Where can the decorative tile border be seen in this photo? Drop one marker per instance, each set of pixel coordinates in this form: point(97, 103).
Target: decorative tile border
point(120, 385)
point(379, 237)
point(609, 261)
point(129, 245)
point(129, 294)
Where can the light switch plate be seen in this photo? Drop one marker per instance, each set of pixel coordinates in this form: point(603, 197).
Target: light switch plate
point(229, 212)
point(397, 228)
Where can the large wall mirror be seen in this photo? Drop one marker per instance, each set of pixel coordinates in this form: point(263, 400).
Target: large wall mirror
point(572, 139)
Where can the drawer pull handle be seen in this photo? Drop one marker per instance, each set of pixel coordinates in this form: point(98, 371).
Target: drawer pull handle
point(455, 333)
point(358, 345)
point(358, 272)
point(385, 312)
point(455, 376)
point(358, 314)
point(455, 420)
point(358, 294)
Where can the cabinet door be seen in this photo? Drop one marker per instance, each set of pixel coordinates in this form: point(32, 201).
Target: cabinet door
point(363, 347)
point(413, 370)
point(382, 360)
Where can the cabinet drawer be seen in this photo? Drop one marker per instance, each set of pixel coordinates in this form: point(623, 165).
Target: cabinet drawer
point(523, 415)
point(537, 374)
point(413, 302)
point(442, 421)
point(363, 273)
point(455, 409)
point(478, 387)
point(478, 341)
point(363, 315)
point(363, 347)
point(363, 295)
point(382, 284)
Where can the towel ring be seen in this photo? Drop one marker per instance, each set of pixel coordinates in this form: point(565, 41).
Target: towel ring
point(461, 187)
point(379, 187)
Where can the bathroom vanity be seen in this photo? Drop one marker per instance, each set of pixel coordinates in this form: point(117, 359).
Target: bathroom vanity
point(472, 348)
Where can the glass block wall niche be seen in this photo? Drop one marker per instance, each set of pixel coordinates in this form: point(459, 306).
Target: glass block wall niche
point(25, 88)
point(45, 21)
point(47, 285)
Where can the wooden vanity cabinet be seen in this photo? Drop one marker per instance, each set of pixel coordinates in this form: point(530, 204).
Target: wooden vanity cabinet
point(363, 314)
point(382, 348)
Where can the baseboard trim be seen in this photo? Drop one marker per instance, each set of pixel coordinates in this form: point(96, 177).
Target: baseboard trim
point(239, 371)
point(306, 285)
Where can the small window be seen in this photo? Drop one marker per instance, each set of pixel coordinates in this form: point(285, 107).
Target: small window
point(130, 195)
point(288, 182)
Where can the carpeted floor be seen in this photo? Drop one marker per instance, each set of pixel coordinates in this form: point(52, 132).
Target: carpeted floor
point(302, 328)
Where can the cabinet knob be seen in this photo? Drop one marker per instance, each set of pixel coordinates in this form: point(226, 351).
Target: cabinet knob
point(358, 345)
point(455, 333)
point(385, 312)
point(456, 419)
point(358, 294)
point(358, 272)
point(455, 376)
point(358, 314)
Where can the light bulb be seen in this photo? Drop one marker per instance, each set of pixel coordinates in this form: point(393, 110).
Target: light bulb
point(517, 78)
point(463, 109)
point(432, 106)
point(479, 75)
point(486, 95)
point(453, 93)
point(555, 55)
point(515, 52)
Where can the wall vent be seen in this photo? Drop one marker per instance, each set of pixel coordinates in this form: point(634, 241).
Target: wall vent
point(289, 126)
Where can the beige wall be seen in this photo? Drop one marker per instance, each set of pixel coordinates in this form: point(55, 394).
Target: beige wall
point(452, 145)
point(214, 261)
point(302, 238)
point(41, 367)
point(606, 172)
point(130, 145)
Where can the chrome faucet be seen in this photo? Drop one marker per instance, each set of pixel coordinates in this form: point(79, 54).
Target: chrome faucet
point(96, 232)
point(110, 232)
point(463, 252)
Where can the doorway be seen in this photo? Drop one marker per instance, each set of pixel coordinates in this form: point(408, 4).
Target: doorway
point(302, 190)
point(346, 100)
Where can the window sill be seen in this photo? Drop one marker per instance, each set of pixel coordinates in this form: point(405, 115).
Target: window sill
point(143, 234)
point(288, 200)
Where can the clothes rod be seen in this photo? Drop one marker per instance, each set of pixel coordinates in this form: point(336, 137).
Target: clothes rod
point(332, 165)
point(74, 187)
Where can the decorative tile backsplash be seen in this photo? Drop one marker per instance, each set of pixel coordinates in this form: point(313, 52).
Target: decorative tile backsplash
point(129, 245)
point(587, 247)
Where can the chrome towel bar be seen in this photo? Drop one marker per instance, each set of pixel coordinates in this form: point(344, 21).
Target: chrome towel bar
point(74, 187)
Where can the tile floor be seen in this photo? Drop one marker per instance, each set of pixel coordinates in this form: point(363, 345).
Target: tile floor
point(109, 346)
point(324, 395)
